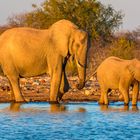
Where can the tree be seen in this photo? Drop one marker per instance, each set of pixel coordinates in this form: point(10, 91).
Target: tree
point(123, 48)
point(90, 15)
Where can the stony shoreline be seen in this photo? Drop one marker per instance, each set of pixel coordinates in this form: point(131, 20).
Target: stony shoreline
point(36, 89)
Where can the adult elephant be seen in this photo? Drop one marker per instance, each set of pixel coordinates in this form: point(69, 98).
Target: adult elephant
point(27, 52)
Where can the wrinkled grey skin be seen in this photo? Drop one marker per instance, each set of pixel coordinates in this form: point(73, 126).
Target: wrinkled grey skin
point(27, 52)
point(116, 73)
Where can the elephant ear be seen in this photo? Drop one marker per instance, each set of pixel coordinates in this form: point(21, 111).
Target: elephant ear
point(78, 38)
point(61, 36)
point(131, 69)
point(59, 41)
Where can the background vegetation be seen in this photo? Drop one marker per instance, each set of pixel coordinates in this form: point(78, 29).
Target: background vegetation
point(89, 15)
point(98, 20)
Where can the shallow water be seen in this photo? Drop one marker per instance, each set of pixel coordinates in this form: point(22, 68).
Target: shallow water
point(73, 121)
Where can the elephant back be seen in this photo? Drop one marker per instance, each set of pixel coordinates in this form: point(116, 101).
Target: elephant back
point(63, 25)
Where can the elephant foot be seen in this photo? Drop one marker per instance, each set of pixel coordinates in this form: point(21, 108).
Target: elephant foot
point(106, 104)
point(134, 104)
point(126, 104)
point(22, 100)
point(60, 96)
point(19, 101)
point(100, 103)
point(53, 102)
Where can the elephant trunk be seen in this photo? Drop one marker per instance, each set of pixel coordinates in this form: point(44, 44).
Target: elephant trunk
point(80, 54)
point(81, 67)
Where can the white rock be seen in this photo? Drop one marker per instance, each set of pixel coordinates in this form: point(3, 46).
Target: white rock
point(87, 92)
point(35, 83)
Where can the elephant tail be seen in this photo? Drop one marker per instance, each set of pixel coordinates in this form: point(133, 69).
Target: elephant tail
point(90, 76)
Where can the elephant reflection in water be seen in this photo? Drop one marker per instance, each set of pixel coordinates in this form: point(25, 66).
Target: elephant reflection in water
point(114, 109)
point(57, 108)
point(15, 107)
point(54, 108)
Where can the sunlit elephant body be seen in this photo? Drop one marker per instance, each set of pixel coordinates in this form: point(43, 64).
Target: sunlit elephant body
point(116, 73)
point(27, 52)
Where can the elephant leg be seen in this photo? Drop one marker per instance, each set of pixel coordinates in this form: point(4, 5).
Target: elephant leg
point(55, 81)
point(124, 89)
point(106, 102)
point(16, 89)
point(135, 93)
point(12, 96)
point(125, 94)
point(101, 100)
point(104, 98)
point(64, 86)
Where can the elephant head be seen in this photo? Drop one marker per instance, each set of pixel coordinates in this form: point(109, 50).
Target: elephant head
point(134, 69)
point(78, 48)
point(69, 40)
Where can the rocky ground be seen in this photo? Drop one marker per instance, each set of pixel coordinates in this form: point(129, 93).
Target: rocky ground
point(37, 89)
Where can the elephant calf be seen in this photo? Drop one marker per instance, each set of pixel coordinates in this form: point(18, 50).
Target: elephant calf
point(116, 73)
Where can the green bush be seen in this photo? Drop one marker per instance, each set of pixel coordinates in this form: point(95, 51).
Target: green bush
point(122, 48)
